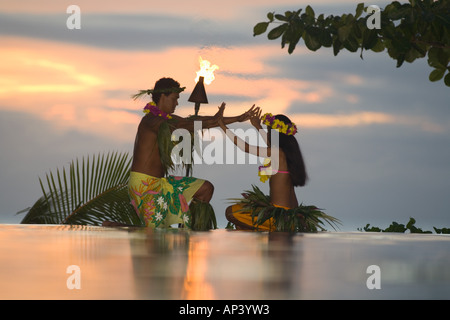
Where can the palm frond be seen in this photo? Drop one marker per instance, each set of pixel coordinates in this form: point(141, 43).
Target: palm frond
point(90, 192)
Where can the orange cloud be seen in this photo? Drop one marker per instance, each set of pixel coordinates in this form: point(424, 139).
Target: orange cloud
point(312, 120)
point(317, 121)
point(82, 87)
point(89, 89)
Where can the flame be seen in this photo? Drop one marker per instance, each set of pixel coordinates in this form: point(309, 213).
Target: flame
point(206, 71)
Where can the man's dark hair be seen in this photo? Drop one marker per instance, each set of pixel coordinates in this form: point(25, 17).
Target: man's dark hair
point(160, 85)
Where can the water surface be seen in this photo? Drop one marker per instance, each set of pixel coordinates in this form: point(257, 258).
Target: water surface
point(124, 263)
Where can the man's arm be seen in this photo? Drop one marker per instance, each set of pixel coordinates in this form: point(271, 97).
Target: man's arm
point(212, 121)
point(209, 121)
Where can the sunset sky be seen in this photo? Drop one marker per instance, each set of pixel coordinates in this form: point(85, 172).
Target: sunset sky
point(376, 138)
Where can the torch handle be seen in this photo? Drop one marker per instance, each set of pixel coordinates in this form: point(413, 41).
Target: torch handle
point(197, 108)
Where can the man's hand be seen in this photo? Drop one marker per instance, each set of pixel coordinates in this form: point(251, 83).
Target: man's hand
point(247, 115)
point(219, 113)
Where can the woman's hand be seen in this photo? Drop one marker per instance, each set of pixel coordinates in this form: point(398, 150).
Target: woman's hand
point(255, 118)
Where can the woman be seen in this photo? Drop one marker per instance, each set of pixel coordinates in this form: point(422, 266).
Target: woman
point(280, 210)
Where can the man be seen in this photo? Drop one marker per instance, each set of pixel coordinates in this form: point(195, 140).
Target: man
point(158, 198)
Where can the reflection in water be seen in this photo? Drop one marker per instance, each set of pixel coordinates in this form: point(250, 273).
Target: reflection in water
point(178, 264)
point(159, 262)
point(171, 264)
point(34, 262)
point(128, 263)
point(282, 258)
point(195, 282)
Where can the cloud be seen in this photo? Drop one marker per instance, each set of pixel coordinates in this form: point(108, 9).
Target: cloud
point(134, 31)
point(87, 88)
point(213, 9)
point(319, 121)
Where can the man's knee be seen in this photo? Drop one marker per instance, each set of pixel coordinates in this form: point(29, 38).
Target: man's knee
point(205, 192)
point(209, 189)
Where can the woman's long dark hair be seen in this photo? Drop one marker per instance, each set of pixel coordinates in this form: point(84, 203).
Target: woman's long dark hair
point(294, 157)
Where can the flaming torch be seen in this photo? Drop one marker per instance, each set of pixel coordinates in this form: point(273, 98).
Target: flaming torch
point(205, 75)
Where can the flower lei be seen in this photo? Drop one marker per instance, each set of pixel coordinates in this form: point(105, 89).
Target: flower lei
point(288, 129)
point(151, 107)
point(265, 170)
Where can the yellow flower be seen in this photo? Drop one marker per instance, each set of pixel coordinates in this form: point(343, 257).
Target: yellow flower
point(265, 171)
point(263, 177)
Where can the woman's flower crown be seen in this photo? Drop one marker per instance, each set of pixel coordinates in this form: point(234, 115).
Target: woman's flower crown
point(151, 107)
point(288, 129)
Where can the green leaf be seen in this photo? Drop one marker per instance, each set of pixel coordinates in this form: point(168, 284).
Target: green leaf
point(400, 60)
point(370, 38)
point(277, 32)
point(293, 42)
point(351, 44)
point(336, 47)
point(436, 75)
point(359, 10)
point(344, 32)
point(311, 39)
point(260, 28)
point(309, 11)
point(378, 47)
point(447, 80)
point(325, 38)
point(437, 58)
point(281, 17)
point(412, 55)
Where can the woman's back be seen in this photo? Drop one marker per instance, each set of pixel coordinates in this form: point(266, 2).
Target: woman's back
point(282, 191)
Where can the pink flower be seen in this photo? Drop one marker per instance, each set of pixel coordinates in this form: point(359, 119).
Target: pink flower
point(183, 202)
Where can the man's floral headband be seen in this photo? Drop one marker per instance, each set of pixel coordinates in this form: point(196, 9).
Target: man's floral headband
point(288, 129)
point(165, 90)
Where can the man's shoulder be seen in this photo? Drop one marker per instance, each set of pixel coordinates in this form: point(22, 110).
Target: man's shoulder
point(150, 122)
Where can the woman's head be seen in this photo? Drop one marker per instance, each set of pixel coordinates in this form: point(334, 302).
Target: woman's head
point(290, 147)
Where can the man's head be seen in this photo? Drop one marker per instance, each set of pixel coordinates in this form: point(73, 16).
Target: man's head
point(166, 93)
